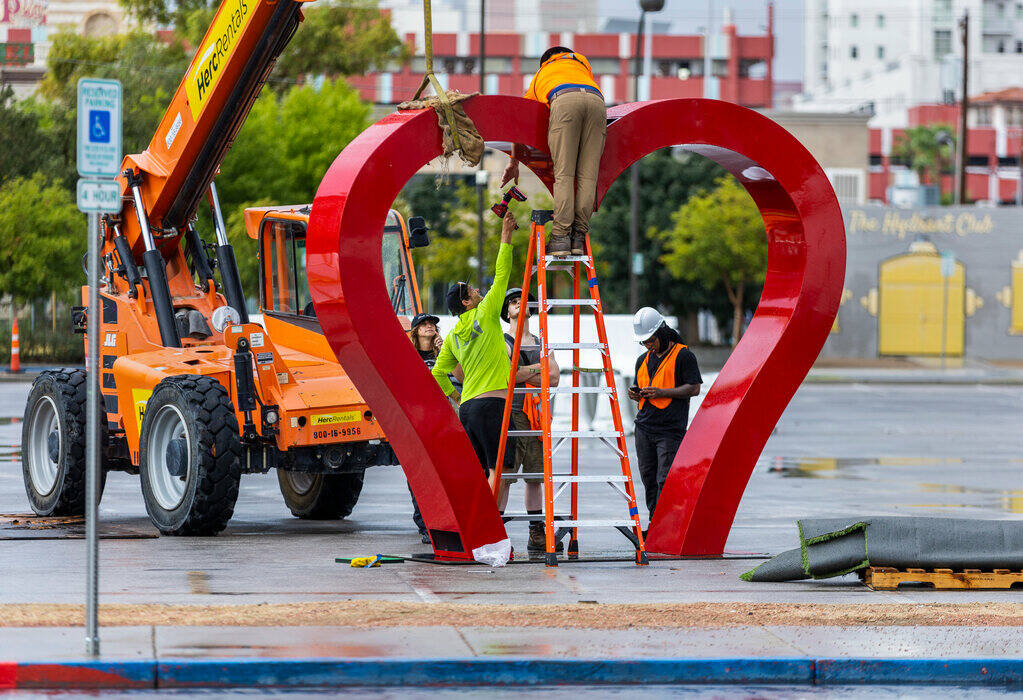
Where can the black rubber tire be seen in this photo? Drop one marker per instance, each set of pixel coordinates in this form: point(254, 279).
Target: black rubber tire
point(67, 389)
point(330, 497)
point(214, 469)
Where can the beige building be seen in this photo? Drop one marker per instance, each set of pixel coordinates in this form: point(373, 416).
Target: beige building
point(94, 18)
point(839, 142)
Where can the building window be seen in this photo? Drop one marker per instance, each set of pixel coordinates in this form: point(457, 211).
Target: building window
point(1019, 47)
point(876, 159)
point(977, 162)
point(1008, 162)
point(1014, 115)
point(1001, 47)
point(942, 42)
point(854, 20)
point(854, 52)
point(1019, 10)
point(754, 68)
point(983, 114)
point(880, 53)
point(608, 66)
point(880, 21)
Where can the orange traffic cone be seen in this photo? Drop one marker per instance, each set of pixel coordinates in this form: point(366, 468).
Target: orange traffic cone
point(15, 351)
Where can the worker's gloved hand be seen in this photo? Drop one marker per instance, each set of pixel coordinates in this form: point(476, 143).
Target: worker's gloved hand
point(511, 173)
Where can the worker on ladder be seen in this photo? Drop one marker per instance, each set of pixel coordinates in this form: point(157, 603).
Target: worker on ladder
point(527, 455)
point(477, 344)
point(667, 376)
point(575, 136)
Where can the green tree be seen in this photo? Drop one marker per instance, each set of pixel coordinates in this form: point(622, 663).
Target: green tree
point(667, 180)
point(281, 154)
point(42, 239)
point(149, 71)
point(928, 150)
point(24, 142)
point(718, 239)
point(452, 252)
point(337, 40)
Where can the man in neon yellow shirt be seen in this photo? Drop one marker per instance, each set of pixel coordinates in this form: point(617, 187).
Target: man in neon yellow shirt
point(477, 344)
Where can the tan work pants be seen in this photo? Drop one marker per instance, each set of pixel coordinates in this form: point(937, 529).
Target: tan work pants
point(575, 136)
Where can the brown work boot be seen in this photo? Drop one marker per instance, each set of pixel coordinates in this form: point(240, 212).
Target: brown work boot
point(538, 539)
point(559, 245)
point(578, 243)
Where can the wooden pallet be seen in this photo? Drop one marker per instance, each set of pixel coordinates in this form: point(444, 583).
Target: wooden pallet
point(883, 578)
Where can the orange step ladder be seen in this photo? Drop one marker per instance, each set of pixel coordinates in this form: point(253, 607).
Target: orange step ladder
point(559, 524)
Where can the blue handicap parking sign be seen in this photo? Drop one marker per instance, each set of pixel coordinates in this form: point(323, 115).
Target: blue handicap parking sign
point(99, 126)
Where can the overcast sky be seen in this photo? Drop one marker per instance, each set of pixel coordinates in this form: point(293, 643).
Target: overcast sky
point(750, 17)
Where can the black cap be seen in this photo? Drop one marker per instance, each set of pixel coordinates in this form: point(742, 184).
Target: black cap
point(457, 293)
point(422, 318)
point(509, 296)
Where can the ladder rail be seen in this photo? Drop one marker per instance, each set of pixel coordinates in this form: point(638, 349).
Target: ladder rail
point(537, 234)
point(573, 539)
point(616, 413)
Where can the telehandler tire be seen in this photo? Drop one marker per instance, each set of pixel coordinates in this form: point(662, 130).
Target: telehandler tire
point(320, 496)
point(53, 443)
point(189, 456)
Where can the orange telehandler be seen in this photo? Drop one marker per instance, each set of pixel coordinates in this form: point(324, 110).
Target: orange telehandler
point(194, 393)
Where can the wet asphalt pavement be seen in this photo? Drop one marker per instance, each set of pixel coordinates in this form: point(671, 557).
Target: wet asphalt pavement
point(848, 449)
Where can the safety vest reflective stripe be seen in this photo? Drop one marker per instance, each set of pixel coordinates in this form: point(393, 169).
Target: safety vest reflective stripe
point(664, 377)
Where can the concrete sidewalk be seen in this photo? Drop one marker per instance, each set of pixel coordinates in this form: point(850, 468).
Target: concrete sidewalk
point(332, 656)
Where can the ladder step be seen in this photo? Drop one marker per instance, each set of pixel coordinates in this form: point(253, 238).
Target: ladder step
point(564, 302)
point(565, 346)
point(569, 478)
point(596, 523)
point(566, 258)
point(529, 517)
point(565, 390)
point(567, 433)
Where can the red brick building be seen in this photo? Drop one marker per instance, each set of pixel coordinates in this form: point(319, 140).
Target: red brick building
point(995, 125)
point(741, 65)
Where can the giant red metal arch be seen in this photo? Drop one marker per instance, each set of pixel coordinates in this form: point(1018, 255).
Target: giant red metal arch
point(806, 264)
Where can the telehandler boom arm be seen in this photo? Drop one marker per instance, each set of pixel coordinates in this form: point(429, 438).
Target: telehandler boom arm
point(165, 183)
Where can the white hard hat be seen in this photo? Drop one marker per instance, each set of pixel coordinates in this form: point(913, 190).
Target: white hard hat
point(645, 323)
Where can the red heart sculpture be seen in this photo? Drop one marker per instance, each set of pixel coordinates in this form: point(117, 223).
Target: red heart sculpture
point(806, 267)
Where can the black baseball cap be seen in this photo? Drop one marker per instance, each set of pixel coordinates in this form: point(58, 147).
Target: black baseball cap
point(423, 318)
point(509, 296)
point(457, 293)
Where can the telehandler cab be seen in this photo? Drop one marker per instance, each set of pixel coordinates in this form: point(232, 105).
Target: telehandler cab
point(194, 393)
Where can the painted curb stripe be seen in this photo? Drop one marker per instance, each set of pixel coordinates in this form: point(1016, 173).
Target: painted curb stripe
point(490, 672)
point(368, 672)
point(86, 674)
point(898, 671)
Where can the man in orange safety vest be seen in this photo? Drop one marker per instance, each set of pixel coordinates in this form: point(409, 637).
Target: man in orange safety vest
point(575, 136)
point(667, 376)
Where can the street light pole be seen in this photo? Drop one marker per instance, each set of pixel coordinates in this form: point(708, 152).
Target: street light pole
point(482, 175)
point(964, 106)
point(482, 178)
point(635, 259)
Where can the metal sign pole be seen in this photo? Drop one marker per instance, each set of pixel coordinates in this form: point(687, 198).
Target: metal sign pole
point(99, 159)
point(92, 465)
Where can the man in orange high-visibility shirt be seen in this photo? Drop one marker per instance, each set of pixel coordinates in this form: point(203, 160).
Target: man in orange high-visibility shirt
point(667, 376)
point(575, 136)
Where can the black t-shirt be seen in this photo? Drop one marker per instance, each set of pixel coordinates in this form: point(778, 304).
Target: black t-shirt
point(675, 416)
point(429, 357)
